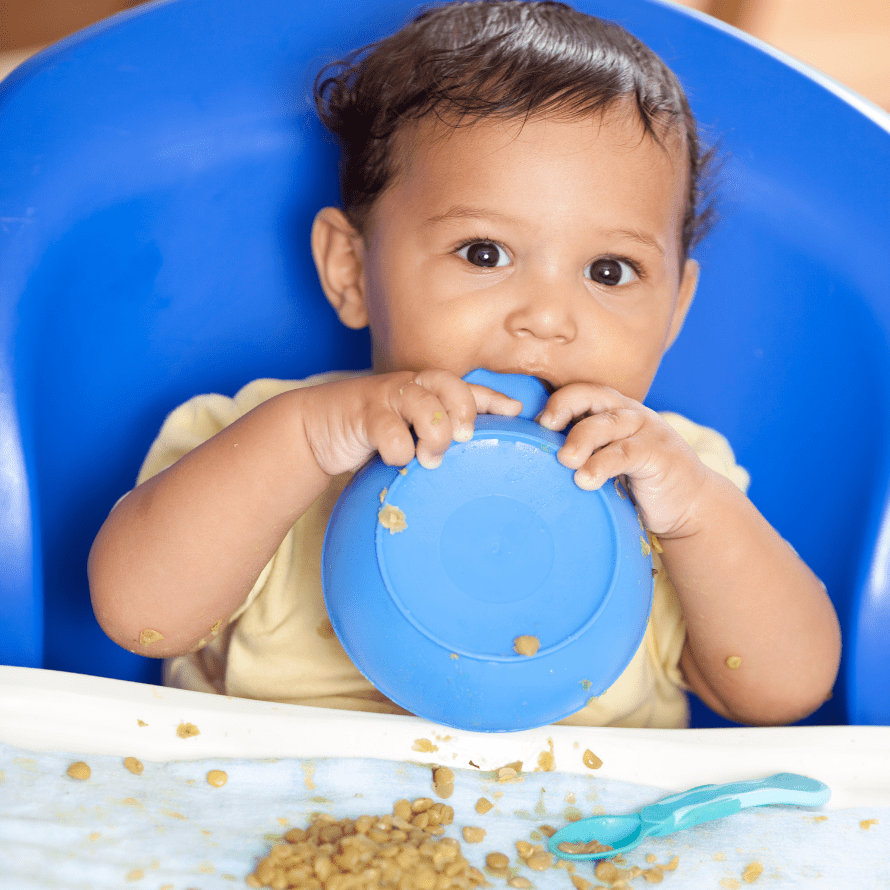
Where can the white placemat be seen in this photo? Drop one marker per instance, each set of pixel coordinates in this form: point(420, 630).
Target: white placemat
point(169, 827)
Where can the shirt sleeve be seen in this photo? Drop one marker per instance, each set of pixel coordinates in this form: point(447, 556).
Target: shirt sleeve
point(712, 448)
point(202, 417)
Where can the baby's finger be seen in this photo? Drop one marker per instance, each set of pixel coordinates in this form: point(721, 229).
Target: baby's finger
point(428, 414)
point(597, 431)
point(455, 396)
point(490, 401)
point(577, 400)
point(389, 434)
point(616, 459)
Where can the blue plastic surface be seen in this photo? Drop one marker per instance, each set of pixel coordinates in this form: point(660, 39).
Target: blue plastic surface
point(496, 543)
point(160, 173)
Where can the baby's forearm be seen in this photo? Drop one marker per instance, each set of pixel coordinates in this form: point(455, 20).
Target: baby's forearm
point(180, 553)
point(763, 642)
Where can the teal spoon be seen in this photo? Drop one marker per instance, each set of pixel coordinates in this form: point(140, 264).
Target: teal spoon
point(681, 811)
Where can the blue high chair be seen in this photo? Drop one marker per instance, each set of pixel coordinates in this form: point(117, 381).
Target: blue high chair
point(160, 172)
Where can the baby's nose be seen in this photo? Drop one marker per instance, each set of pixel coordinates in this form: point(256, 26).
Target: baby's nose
point(546, 315)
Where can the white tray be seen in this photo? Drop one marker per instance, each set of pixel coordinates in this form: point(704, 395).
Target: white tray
point(169, 826)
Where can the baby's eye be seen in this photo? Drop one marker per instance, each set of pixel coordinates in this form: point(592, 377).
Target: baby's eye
point(484, 253)
point(611, 271)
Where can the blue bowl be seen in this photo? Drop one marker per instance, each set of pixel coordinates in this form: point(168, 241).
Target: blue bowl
point(430, 577)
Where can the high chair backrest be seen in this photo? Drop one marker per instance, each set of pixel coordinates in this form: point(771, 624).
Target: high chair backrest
point(160, 174)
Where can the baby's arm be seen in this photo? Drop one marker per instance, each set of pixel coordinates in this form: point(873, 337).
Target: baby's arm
point(744, 592)
point(180, 553)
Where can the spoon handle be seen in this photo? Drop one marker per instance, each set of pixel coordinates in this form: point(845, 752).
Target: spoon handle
point(708, 802)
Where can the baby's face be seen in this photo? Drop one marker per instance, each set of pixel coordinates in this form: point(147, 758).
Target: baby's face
point(548, 248)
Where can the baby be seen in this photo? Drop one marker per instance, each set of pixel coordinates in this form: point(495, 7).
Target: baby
point(520, 187)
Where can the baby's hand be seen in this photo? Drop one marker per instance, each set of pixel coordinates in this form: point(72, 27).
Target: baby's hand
point(347, 421)
point(618, 436)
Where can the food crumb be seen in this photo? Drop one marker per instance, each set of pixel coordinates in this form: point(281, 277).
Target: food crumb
point(383, 493)
point(752, 872)
point(526, 645)
point(645, 549)
point(325, 629)
point(865, 824)
point(473, 834)
point(80, 771)
point(217, 778)
point(137, 874)
point(134, 766)
point(730, 884)
point(584, 847)
point(392, 518)
point(149, 636)
point(734, 662)
point(497, 862)
point(506, 774)
point(140, 722)
point(443, 781)
point(820, 818)
point(425, 746)
point(483, 805)
point(437, 418)
point(187, 730)
point(443, 776)
point(454, 656)
point(590, 760)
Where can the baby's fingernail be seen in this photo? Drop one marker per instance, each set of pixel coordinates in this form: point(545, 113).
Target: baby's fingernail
point(545, 420)
point(584, 480)
point(463, 434)
point(430, 462)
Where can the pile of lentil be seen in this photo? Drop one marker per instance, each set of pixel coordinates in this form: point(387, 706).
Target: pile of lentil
point(406, 850)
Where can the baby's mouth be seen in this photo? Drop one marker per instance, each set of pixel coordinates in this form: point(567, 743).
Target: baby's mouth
point(547, 385)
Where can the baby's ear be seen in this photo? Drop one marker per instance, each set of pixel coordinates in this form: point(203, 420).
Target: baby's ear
point(688, 285)
point(338, 251)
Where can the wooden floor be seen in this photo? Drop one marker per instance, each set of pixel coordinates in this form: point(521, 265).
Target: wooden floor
point(848, 40)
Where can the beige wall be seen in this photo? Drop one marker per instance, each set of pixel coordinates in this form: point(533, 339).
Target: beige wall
point(849, 40)
point(27, 23)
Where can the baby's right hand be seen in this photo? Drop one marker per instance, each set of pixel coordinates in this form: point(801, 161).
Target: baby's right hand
point(347, 421)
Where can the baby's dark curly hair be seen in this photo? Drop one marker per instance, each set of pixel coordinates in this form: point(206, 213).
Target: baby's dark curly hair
point(511, 58)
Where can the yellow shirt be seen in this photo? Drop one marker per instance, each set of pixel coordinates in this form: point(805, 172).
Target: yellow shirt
point(280, 646)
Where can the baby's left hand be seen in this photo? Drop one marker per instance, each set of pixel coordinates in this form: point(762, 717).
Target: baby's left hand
point(618, 436)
